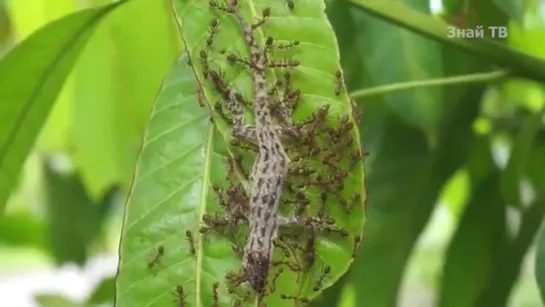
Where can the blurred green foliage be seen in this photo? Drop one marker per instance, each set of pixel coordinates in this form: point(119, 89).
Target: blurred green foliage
point(77, 87)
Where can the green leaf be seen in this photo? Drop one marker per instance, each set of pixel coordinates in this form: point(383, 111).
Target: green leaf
point(513, 8)
point(146, 51)
point(27, 18)
point(356, 66)
point(116, 81)
point(510, 263)
point(458, 62)
point(100, 134)
point(317, 82)
point(394, 54)
point(537, 158)
point(74, 219)
point(168, 195)
point(516, 166)
point(103, 293)
point(468, 14)
point(405, 178)
point(343, 21)
point(31, 76)
point(47, 300)
point(22, 229)
point(482, 230)
point(399, 168)
point(540, 263)
point(395, 12)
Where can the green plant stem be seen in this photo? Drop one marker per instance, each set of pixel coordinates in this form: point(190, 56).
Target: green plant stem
point(456, 80)
point(396, 12)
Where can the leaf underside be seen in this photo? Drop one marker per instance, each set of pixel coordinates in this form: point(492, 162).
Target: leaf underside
point(184, 155)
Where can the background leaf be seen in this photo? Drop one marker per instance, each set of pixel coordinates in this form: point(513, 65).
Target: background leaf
point(407, 200)
point(103, 293)
point(28, 102)
point(73, 216)
point(386, 48)
point(482, 230)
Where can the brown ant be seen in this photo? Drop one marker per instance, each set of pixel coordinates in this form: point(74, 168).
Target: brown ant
point(288, 45)
point(180, 296)
point(215, 287)
point(294, 267)
point(355, 157)
point(356, 111)
point(200, 97)
point(244, 146)
point(339, 82)
point(160, 252)
point(269, 43)
point(265, 14)
point(319, 284)
point(233, 59)
point(275, 278)
point(291, 4)
point(286, 252)
point(204, 61)
point(301, 299)
point(189, 237)
point(284, 64)
point(310, 251)
point(214, 4)
point(357, 240)
point(215, 222)
point(212, 31)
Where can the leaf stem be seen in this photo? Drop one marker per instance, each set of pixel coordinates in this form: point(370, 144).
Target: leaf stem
point(455, 80)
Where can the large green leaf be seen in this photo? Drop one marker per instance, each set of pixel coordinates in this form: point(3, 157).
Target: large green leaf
point(318, 56)
point(31, 77)
point(319, 60)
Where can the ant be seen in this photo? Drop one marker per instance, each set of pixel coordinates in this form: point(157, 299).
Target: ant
point(284, 64)
point(189, 237)
point(215, 287)
point(290, 4)
point(339, 82)
point(357, 240)
point(158, 255)
point(319, 283)
point(180, 296)
point(265, 14)
point(212, 31)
